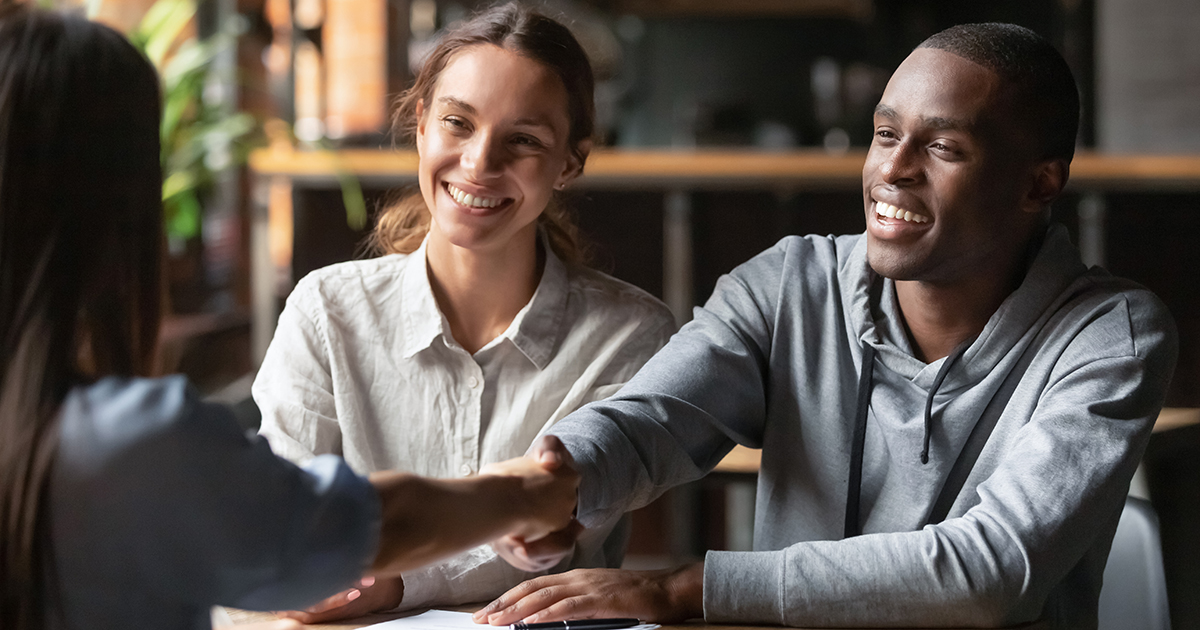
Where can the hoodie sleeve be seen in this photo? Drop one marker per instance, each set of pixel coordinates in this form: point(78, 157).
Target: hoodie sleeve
point(1048, 509)
point(687, 407)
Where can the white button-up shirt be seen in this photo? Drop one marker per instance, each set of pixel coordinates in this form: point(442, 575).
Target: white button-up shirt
point(363, 365)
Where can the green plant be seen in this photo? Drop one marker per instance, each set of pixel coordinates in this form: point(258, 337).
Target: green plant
point(200, 136)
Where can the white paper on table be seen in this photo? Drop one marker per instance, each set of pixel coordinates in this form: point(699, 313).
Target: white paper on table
point(450, 620)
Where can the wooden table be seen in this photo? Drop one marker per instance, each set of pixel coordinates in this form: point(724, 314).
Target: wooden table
point(277, 169)
point(241, 617)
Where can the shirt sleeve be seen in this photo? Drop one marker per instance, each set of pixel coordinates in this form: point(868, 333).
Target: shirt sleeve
point(294, 386)
point(166, 491)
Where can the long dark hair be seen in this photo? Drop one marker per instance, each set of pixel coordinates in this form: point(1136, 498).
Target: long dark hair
point(401, 227)
point(80, 255)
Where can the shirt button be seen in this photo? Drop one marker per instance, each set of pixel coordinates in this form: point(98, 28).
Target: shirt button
point(472, 382)
point(465, 469)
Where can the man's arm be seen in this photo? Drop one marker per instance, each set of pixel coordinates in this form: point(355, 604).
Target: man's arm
point(1057, 489)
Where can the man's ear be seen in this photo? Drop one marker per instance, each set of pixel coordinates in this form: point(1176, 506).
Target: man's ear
point(574, 165)
point(1049, 179)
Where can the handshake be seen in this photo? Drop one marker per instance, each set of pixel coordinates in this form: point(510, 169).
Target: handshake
point(524, 506)
point(547, 470)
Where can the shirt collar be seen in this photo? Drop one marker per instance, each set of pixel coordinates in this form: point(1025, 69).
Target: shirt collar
point(536, 327)
point(423, 321)
point(534, 330)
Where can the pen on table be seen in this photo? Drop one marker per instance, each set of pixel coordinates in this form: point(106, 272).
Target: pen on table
point(578, 624)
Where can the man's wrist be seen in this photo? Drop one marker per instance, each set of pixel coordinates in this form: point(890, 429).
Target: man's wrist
point(685, 591)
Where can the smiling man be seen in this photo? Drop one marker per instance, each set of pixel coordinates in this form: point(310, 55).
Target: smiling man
point(950, 406)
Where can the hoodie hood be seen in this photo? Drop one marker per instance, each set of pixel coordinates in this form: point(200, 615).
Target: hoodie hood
point(973, 371)
point(875, 315)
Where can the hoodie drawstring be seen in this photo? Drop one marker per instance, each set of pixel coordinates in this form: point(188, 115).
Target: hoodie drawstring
point(860, 437)
point(854, 490)
point(937, 383)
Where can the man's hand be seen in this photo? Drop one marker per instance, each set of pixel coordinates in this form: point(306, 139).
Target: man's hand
point(666, 596)
point(549, 484)
point(372, 595)
point(540, 554)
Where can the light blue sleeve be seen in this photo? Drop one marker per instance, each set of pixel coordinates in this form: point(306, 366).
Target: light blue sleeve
point(158, 489)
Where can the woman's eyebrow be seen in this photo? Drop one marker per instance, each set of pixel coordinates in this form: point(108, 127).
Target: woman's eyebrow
point(450, 101)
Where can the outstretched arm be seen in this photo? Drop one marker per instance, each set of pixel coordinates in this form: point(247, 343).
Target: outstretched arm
point(424, 520)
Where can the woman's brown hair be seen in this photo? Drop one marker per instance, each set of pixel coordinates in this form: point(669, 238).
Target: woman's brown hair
point(80, 255)
point(402, 226)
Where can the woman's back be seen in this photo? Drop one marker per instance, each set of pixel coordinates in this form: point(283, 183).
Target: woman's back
point(160, 506)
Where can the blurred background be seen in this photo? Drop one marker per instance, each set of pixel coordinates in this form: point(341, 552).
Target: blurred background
point(728, 124)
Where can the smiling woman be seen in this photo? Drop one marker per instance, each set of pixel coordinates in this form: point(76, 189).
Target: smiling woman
point(479, 327)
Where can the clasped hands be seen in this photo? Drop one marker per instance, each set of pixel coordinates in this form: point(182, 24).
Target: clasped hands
point(543, 533)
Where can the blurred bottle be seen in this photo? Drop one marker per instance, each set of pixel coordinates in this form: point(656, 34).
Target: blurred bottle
point(309, 71)
point(356, 70)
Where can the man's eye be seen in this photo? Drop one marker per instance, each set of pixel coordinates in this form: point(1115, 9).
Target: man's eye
point(885, 134)
point(943, 149)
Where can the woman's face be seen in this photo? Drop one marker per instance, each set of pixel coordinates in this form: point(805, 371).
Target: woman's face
point(493, 145)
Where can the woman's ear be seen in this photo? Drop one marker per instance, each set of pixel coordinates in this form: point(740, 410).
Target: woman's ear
point(575, 161)
point(420, 114)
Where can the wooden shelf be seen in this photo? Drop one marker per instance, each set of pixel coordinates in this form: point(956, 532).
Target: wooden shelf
point(721, 169)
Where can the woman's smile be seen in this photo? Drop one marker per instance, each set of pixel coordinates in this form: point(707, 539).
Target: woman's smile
point(493, 141)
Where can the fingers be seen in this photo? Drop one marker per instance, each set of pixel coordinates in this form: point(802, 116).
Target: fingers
point(278, 624)
point(665, 596)
point(540, 554)
point(553, 547)
point(333, 602)
point(371, 596)
point(547, 598)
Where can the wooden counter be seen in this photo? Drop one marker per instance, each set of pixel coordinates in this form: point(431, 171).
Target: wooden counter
point(742, 460)
point(699, 169)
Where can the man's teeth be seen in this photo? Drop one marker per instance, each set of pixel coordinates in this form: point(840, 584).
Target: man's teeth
point(467, 199)
point(892, 212)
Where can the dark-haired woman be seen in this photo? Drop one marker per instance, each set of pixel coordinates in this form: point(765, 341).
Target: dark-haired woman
point(125, 501)
point(479, 328)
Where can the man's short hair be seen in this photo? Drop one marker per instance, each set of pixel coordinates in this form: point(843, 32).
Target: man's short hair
point(1046, 95)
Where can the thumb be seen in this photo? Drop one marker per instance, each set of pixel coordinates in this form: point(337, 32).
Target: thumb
point(550, 452)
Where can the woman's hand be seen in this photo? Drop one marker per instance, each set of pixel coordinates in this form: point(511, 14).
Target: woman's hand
point(666, 596)
point(372, 595)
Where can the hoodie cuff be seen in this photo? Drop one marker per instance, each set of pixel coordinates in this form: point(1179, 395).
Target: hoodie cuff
point(744, 587)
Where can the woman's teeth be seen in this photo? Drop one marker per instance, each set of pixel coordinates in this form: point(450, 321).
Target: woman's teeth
point(467, 199)
point(892, 212)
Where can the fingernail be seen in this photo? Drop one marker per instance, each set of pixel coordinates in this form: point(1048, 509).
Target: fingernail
point(367, 581)
point(353, 595)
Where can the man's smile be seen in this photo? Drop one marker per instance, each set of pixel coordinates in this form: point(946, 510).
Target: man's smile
point(884, 209)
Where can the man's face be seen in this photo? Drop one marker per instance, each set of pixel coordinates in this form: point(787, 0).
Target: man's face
point(944, 179)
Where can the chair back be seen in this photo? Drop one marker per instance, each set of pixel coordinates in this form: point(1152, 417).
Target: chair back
point(1134, 595)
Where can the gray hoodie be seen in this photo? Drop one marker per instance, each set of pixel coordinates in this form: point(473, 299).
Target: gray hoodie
point(1030, 432)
